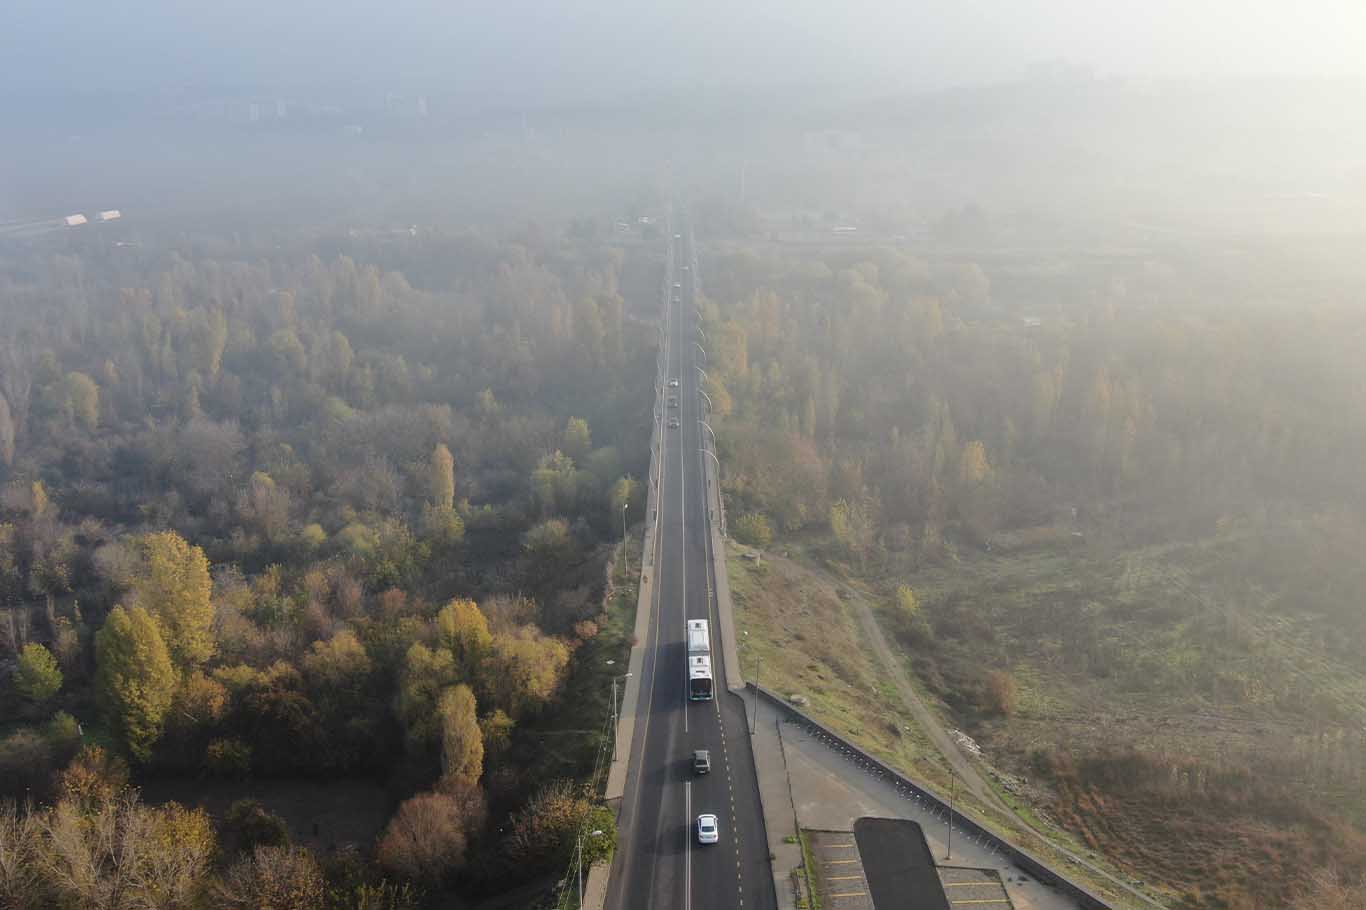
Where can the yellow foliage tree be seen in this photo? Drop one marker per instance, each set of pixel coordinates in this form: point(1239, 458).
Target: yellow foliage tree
point(172, 583)
point(462, 741)
point(135, 680)
point(524, 670)
point(462, 629)
point(443, 477)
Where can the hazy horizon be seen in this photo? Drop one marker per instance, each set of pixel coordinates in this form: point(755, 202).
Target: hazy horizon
point(527, 52)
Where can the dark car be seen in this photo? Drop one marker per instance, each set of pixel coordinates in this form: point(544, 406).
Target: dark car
point(701, 762)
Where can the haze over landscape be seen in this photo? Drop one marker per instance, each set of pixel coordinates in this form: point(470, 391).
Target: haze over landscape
point(387, 391)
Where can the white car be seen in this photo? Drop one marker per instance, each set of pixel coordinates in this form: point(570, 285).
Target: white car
point(673, 383)
point(673, 423)
point(677, 285)
point(708, 831)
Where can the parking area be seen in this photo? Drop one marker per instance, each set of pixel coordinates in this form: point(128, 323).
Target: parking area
point(839, 870)
point(974, 888)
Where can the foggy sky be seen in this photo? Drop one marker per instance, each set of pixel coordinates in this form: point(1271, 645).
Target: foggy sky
point(520, 50)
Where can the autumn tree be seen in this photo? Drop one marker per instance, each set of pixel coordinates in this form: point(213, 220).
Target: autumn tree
point(426, 674)
point(578, 441)
point(135, 679)
point(442, 477)
point(544, 832)
point(496, 731)
point(121, 853)
point(21, 852)
point(425, 840)
point(753, 529)
point(554, 484)
point(37, 676)
point(524, 670)
point(94, 776)
point(338, 668)
point(462, 629)
point(854, 525)
point(172, 582)
point(462, 741)
point(624, 493)
point(273, 878)
point(82, 400)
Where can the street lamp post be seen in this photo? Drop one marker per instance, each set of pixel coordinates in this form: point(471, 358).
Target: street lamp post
point(594, 833)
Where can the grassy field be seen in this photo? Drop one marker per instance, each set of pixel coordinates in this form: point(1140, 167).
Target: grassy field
point(1170, 713)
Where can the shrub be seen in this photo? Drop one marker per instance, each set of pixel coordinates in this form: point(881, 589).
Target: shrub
point(37, 677)
point(26, 763)
point(1000, 696)
point(228, 757)
point(94, 776)
point(278, 878)
point(753, 529)
point(249, 825)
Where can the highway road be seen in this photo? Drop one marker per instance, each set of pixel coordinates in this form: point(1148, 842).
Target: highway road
point(659, 865)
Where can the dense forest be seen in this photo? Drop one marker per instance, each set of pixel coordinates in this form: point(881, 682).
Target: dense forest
point(1112, 506)
point(301, 507)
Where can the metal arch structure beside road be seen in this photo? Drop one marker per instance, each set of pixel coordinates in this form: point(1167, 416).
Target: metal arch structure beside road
point(659, 864)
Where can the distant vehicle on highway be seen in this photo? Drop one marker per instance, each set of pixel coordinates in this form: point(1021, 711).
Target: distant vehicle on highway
point(673, 423)
point(708, 830)
point(677, 285)
point(678, 236)
point(701, 762)
point(685, 268)
point(673, 401)
point(673, 383)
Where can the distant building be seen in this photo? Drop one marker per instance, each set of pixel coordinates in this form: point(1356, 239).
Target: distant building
point(422, 106)
point(281, 109)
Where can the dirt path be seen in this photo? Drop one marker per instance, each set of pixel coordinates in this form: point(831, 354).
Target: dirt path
point(896, 672)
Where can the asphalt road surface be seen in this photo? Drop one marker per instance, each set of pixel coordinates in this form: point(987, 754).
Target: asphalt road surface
point(659, 865)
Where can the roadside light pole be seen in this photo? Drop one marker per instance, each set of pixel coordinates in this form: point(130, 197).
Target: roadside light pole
point(595, 833)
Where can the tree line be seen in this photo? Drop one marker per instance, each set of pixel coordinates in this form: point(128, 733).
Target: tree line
point(265, 513)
